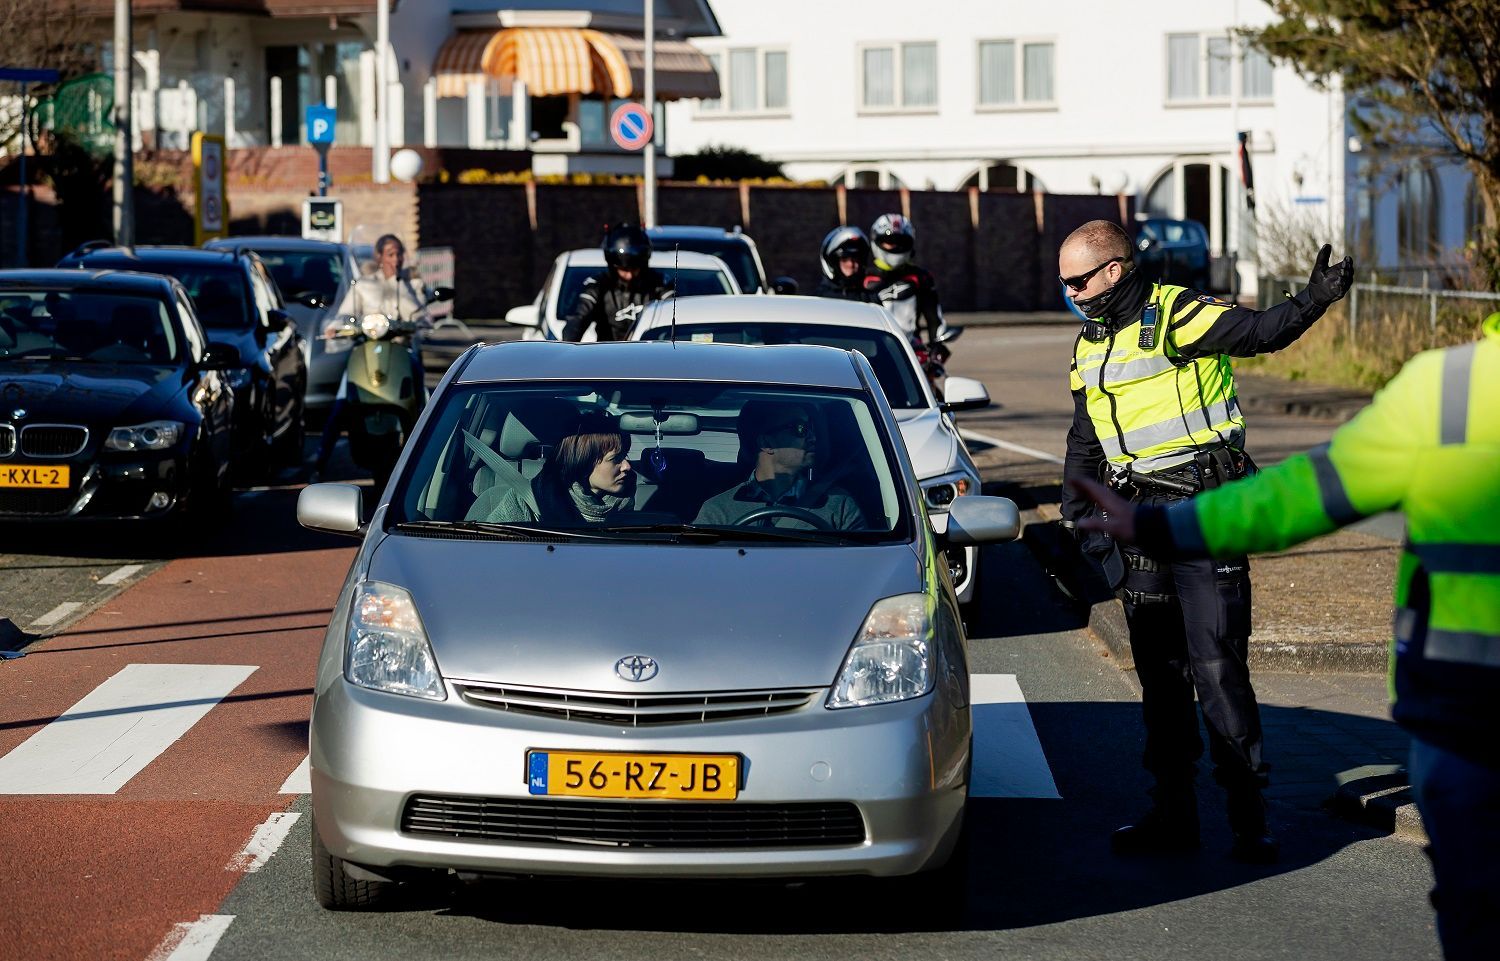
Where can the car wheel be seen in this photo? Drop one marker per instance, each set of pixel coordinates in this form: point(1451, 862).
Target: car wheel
point(336, 890)
point(971, 612)
point(287, 449)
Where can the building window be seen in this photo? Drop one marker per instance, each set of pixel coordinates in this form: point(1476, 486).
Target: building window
point(752, 80)
point(1004, 178)
point(871, 178)
point(1417, 213)
point(1006, 80)
point(899, 77)
point(1200, 67)
point(1195, 190)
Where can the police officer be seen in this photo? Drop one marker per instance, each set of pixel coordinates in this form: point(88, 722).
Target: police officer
point(845, 259)
point(1429, 446)
point(611, 301)
point(1155, 414)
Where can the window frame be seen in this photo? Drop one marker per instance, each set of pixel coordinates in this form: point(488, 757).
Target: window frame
point(1020, 104)
point(1237, 60)
point(897, 49)
point(761, 110)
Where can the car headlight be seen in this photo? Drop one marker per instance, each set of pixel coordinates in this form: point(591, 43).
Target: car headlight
point(891, 658)
point(388, 648)
point(375, 326)
point(156, 435)
point(940, 492)
point(238, 377)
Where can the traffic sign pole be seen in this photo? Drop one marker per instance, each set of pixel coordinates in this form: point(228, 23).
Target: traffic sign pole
point(322, 149)
point(650, 155)
point(321, 121)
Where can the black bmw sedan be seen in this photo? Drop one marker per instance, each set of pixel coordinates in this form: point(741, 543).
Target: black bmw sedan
point(113, 402)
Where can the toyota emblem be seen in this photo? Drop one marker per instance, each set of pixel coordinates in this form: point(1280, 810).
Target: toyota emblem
point(636, 667)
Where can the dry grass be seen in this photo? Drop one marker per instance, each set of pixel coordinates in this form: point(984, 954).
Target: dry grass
point(1389, 333)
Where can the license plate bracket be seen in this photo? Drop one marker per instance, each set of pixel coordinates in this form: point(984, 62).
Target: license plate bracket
point(37, 476)
point(633, 776)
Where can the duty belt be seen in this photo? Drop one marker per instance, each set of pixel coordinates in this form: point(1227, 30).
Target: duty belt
point(1208, 469)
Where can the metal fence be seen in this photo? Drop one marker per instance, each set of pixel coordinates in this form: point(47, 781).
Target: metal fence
point(1433, 299)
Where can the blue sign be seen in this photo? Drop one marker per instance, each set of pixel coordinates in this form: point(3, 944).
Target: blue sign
point(631, 126)
point(320, 121)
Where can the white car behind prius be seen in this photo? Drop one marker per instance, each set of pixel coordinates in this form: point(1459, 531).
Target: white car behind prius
point(943, 464)
point(693, 274)
point(644, 610)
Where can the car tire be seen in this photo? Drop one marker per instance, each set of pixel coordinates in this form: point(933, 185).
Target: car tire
point(971, 612)
point(287, 449)
point(336, 890)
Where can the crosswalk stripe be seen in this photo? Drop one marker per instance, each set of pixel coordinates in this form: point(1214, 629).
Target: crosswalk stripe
point(192, 940)
point(300, 780)
point(117, 729)
point(120, 574)
point(1008, 757)
point(56, 614)
point(263, 843)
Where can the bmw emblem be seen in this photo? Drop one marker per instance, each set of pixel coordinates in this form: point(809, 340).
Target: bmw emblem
point(636, 667)
point(18, 413)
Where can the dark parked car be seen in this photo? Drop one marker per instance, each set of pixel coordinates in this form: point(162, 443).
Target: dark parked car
point(1174, 252)
point(733, 247)
point(113, 402)
point(239, 304)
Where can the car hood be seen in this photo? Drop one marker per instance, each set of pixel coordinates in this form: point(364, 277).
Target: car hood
point(242, 339)
point(713, 618)
point(929, 442)
point(74, 393)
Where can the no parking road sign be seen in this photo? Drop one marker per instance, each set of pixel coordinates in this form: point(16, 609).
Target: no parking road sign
point(631, 126)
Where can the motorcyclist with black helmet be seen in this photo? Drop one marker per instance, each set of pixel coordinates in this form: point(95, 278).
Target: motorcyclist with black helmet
point(845, 259)
point(612, 300)
point(907, 290)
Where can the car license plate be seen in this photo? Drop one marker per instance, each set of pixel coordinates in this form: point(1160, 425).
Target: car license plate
point(14, 475)
point(700, 777)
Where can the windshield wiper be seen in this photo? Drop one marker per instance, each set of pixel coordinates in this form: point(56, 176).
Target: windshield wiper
point(499, 529)
point(716, 534)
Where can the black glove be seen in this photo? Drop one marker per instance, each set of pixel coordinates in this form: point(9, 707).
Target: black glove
point(1328, 284)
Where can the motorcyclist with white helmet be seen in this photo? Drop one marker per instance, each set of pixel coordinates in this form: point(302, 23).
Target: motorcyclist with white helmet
point(907, 290)
point(845, 259)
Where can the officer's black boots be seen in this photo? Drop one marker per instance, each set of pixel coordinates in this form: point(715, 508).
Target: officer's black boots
point(1170, 827)
point(1253, 844)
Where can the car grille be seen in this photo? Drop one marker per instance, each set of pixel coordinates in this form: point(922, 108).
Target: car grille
point(14, 501)
point(651, 824)
point(636, 711)
point(53, 440)
point(7, 440)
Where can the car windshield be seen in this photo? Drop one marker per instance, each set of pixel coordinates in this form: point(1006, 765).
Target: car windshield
point(893, 368)
point(90, 326)
point(297, 272)
point(689, 282)
point(656, 460)
point(735, 254)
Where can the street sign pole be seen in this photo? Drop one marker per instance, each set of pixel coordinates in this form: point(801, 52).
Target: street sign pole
point(124, 172)
point(322, 149)
point(381, 155)
point(321, 122)
point(22, 233)
point(650, 154)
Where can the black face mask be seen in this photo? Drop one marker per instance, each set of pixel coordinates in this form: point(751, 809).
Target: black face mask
point(1117, 303)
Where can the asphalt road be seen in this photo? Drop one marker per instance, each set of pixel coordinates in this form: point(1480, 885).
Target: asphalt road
point(196, 844)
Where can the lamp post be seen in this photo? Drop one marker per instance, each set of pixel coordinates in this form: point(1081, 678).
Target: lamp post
point(380, 168)
point(650, 154)
point(124, 172)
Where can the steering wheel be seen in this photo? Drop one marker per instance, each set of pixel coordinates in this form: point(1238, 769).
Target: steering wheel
point(796, 513)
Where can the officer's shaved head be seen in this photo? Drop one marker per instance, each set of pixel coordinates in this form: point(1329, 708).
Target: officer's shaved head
point(1099, 240)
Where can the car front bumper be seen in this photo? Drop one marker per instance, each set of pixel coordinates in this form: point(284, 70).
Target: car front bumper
point(118, 487)
point(903, 766)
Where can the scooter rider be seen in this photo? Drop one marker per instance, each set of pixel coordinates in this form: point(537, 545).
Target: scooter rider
point(845, 259)
point(611, 301)
point(907, 290)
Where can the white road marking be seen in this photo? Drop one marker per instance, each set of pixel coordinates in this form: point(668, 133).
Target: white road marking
point(117, 729)
point(300, 780)
point(192, 940)
point(115, 577)
point(1017, 448)
point(1008, 756)
point(263, 843)
point(56, 614)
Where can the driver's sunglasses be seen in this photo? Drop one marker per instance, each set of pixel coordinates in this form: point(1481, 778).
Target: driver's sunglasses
point(1082, 280)
point(797, 428)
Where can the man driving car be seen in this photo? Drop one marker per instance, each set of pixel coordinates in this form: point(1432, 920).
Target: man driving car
point(781, 491)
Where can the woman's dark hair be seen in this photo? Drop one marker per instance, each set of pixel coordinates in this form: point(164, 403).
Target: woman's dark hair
point(388, 239)
point(594, 437)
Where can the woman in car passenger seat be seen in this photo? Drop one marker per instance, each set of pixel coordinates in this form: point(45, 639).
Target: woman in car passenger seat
point(586, 479)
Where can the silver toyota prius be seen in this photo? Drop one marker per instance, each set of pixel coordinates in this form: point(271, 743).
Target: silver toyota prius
point(652, 609)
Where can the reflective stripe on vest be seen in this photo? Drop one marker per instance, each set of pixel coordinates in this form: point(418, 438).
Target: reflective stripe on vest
point(1129, 388)
point(1462, 647)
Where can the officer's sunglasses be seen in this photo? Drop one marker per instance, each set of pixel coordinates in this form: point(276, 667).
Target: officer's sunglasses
point(1082, 280)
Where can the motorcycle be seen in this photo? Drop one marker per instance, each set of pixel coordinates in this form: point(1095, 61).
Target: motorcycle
point(928, 360)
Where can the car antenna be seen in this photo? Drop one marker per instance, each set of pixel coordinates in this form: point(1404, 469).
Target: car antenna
point(676, 259)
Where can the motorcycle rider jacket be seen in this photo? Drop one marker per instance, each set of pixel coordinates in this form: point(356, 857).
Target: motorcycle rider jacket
point(612, 307)
point(909, 292)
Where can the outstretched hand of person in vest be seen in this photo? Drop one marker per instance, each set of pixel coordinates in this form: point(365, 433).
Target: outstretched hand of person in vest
point(1327, 284)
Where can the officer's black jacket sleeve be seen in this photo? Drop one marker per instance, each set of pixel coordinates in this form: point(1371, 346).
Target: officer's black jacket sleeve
point(1082, 460)
point(1202, 326)
point(587, 309)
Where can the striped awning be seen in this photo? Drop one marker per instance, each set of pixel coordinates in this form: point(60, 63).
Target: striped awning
point(569, 60)
point(460, 62)
point(682, 73)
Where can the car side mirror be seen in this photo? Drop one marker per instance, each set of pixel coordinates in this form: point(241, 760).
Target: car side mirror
point(277, 320)
point(977, 519)
point(219, 357)
point(440, 294)
point(310, 298)
point(784, 285)
point(526, 315)
point(336, 508)
point(963, 393)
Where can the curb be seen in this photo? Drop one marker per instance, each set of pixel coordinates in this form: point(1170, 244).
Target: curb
point(1378, 795)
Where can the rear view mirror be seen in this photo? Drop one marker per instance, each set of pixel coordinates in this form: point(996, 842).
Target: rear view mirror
point(309, 298)
point(963, 393)
point(679, 424)
point(977, 519)
point(526, 315)
point(784, 285)
point(219, 357)
point(440, 294)
point(336, 508)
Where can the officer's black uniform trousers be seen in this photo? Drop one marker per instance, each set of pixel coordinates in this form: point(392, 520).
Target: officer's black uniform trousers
point(1190, 631)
